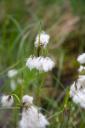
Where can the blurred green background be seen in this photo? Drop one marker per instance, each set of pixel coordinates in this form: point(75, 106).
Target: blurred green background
point(20, 21)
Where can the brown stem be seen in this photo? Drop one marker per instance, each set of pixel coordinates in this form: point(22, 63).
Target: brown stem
point(38, 51)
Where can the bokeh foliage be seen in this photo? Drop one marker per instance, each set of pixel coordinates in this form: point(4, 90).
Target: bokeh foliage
point(64, 20)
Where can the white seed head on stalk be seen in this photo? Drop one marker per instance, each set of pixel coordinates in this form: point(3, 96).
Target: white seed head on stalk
point(7, 101)
point(27, 100)
point(81, 58)
point(42, 39)
point(12, 73)
point(81, 68)
point(77, 91)
point(31, 117)
point(40, 63)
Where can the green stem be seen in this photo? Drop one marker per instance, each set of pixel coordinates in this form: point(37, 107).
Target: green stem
point(16, 97)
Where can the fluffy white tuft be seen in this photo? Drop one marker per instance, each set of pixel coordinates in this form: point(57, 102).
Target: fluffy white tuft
point(40, 63)
point(31, 117)
point(81, 58)
point(7, 101)
point(27, 99)
point(77, 91)
point(43, 122)
point(42, 39)
point(12, 73)
point(81, 68)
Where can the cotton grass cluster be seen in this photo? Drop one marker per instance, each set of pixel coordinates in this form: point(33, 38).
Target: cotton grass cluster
point(40, 63)
point(31, 117)
point(77, 89)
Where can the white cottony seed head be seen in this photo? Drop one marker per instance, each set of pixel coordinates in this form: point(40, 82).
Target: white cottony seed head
point(27, 100)
point(43, 122)
point(40, 63)
point(12, 73)
point(42, 39)
point(77, 91)
point(81, 58)
point(7, 101)
point(31, 117)
point(81, 68)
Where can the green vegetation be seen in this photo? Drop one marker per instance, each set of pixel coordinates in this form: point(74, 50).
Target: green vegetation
point(20, 21)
